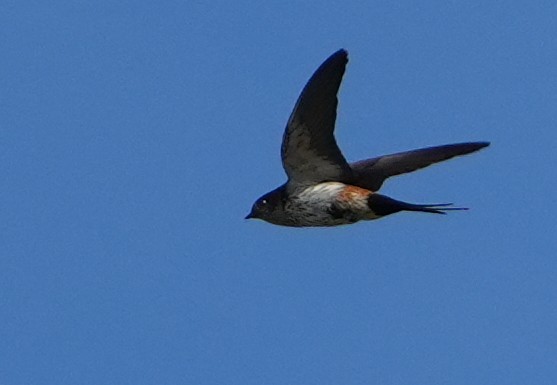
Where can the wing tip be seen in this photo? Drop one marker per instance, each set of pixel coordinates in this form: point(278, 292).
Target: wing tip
point(482, 144)
point(340, 54)
point(469, 146)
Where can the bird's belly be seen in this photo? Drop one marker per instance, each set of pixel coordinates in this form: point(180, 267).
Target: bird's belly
point(303, 214)
point(328, 204)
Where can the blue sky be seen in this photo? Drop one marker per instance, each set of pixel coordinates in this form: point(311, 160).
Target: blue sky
point(134, 137)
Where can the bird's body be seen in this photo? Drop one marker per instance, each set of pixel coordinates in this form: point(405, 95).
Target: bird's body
point(322, 188)
point(333, 204)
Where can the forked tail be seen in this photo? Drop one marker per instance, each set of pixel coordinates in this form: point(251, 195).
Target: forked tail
point(382, 205)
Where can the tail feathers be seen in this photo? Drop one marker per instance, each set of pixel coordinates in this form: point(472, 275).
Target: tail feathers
point(382, 205)
point(439, 208)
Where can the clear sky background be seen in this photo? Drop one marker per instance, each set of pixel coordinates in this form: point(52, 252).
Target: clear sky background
point(135, 135)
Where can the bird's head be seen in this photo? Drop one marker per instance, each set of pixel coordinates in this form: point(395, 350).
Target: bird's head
point(269, 207)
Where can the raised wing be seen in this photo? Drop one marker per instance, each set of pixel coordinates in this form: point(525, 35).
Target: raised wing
point(309, 151)
point(371, 173)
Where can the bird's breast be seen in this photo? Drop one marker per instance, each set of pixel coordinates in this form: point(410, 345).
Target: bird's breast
point(328, 204)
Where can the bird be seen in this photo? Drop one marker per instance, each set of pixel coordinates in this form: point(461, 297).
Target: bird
point(322, 188)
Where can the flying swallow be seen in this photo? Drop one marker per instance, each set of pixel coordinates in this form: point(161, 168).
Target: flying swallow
point(323, 189)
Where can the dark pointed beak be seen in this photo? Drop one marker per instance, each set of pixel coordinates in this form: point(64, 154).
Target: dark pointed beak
point(249, 216)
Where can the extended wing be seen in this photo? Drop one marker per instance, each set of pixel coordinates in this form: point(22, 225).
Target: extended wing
point(371, 173)
point(309, 151)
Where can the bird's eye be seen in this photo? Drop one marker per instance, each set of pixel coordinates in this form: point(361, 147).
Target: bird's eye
point(264, 202)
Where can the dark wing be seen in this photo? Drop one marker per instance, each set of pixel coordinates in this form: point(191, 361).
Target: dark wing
point(309, 150)
point(371, 173)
